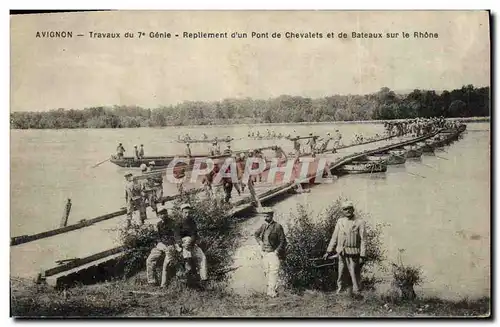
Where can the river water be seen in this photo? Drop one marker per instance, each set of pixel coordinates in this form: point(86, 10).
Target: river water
point(442, 221)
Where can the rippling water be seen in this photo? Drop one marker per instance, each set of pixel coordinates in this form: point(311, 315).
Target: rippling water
point(442, 220)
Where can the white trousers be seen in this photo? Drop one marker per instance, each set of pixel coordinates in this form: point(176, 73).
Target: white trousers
point(272, 265)
point(193, 251)
point(156, 254)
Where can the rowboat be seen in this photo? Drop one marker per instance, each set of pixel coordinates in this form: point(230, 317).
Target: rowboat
point(389, 158)
point(162, 161)
point(363, 167)
point(413, 152)
point(267, 138)
point(425, 146)
point(227, 139)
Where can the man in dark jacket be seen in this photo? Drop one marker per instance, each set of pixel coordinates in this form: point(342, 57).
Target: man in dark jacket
point(188, 236)
point(272, 240)
point(166, 245)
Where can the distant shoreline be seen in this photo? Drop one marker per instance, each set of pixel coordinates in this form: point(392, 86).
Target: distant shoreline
point(254, 124)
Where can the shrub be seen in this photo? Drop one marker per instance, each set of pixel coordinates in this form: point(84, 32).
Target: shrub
point(308, 237)
point(217, 233)
point(406, 277)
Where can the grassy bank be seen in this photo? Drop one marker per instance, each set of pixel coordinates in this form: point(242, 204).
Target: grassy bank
point(132, 298)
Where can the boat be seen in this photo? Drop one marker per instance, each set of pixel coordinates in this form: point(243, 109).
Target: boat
point(363, 167)
point(389, 158)
point(413, 152)
point(425, 147)
point(160, 161)
point(267, 138)
point(227, 139)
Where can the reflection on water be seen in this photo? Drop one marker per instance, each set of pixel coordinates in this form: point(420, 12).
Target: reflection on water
point(437, 208)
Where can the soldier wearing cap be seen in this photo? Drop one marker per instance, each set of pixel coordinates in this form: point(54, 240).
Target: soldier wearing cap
point(141, 151)
point(271, 237)
point(136, 152)
point(348, 241)
point(215, 151)
point(187, 235)
point(152, 186)
point(166, 245)
point(312, 143)
point(188, 150)
point(228, 149)
point(120, 150)
point(134, 199)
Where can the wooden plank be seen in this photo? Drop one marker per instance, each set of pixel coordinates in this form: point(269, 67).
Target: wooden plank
point(54, 280)
point(82, 261)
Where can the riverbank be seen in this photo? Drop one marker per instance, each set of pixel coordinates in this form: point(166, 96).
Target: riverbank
point(132, 298)
point(253, 123)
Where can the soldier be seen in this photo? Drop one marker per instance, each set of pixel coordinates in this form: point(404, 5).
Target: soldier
point(166, 245)
point(296, 147)
point(271, 237)
point(214, 151)
point(151, 184)
point(136, 152)
point(188, 151)
point(120, 150)
point(349, 242)
point(338, 139)
point(312, 143)
point(134, 199)
point(193, 255)
point(141, 152)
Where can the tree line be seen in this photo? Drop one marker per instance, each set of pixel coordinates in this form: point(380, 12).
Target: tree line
point(385, 104)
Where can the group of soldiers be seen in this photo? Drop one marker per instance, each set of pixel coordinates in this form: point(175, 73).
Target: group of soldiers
point(316, 144)
point(138, 152)
point(416, 126)
point(269, 135)
point(177, 243)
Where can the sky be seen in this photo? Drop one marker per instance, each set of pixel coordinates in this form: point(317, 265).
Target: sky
point(82, 72)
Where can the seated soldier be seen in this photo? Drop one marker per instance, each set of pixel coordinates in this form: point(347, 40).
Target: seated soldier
point(194, 258)
point(166, 246)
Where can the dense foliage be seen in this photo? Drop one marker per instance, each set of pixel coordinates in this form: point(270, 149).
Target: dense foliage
point(218, 235)
point(308, 238)
point(385, 104)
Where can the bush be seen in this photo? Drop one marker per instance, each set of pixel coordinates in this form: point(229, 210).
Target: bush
point(308, 237)
point(217, 233)
point(406, 277)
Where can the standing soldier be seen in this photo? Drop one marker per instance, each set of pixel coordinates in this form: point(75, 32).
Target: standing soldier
point(227, 184)
point(120, 150)
point(312, 143)
point(208, 180)
point(348, 240)
point(157, 181)
point(136, 152)
point(141, 151)
point(272, 240)
point(215, 150)
point(150, 186)
point(180, 173)
point(296, 146)
point(188, 150)
point(134, 199)
point(338, 139)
